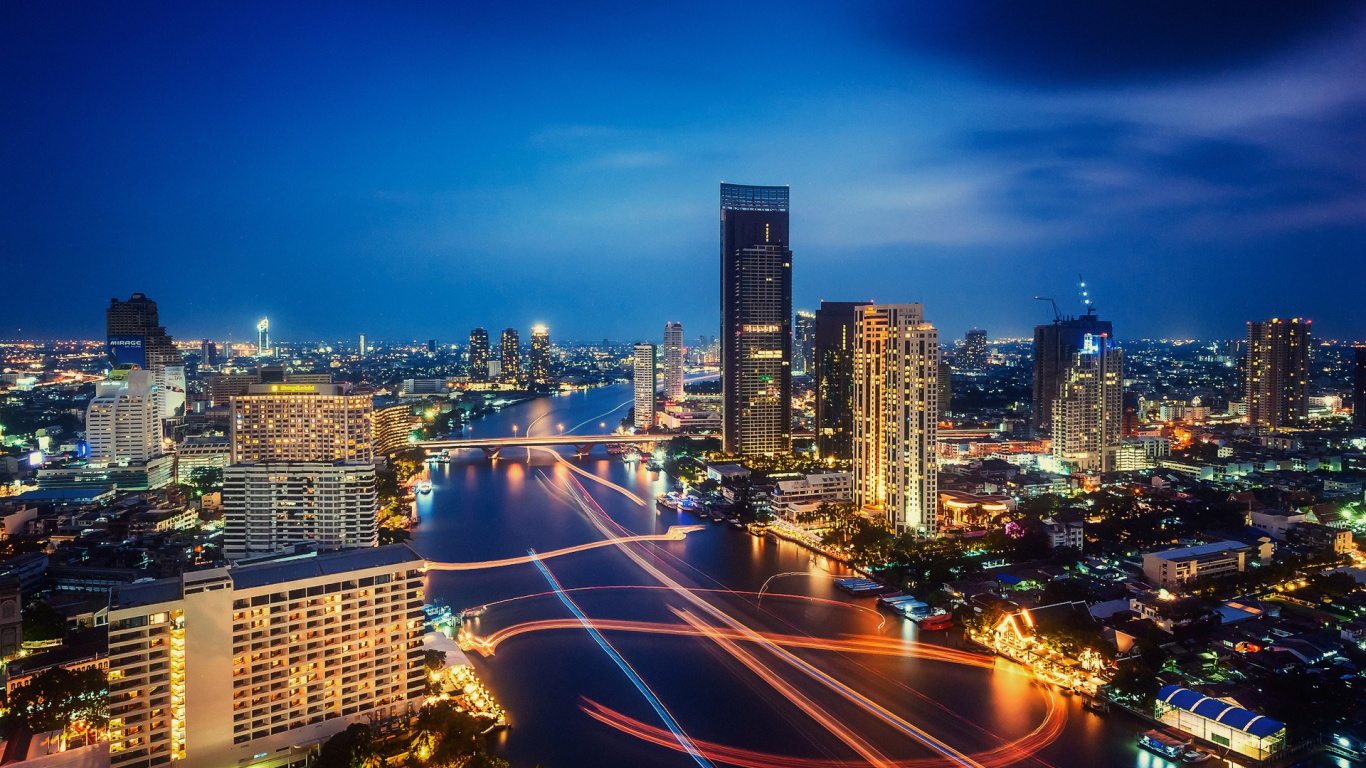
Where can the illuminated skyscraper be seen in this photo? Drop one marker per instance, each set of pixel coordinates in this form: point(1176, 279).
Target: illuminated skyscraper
point(510, 348)
point(135, 335)
point(643, 379)
point(832, 367)
point(123, 420)
point(302, 422)
point(1277, 377)
point(263, 336)
point(756, 320)
point(974, 351)
point(896, 383)
point(363, 348)
point(479, 354)
point(540, 354)
point(803, 342)
point(1088, 413)
point(673, 361)
point(1054, 347)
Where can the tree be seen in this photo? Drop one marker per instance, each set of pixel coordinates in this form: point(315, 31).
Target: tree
point(443, 734)
point(42, 622)
point(353, 747)
point(206, 479)
point(57, 698)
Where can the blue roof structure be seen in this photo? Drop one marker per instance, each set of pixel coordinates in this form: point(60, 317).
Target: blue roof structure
point(1220, 712)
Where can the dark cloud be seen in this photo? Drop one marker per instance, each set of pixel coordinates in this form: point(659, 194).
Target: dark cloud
point(1063, 42)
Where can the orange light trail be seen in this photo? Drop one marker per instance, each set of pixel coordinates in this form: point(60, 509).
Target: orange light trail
point(675, 533)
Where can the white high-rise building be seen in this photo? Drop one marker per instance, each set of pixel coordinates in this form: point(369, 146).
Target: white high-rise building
point(302, 422)
point(254, 666)
point(270, 506)
point(673, 362)
point(645, 385)
point(123, 421)
point(1089, 410)
point(896, 407)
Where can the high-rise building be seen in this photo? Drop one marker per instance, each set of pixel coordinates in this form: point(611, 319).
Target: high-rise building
point(540, 354)
point(756, 320)
point(1277, 374)
point(643, 379)
point(135, 335)
point(363, 347)
point(208, 353)
point(272, 505)
point(1359, 389)
point(896, 410)
point(803, 341)
point(302, 422)
point(673, 362)
point(393, 426)
point(431, 347)
point(833, 368)
point(123, 420)
point(1054, 346)
point(510, 347)
point(945, 386)
point(263, 336)
point(479, 354)
point(974, 357)
point(1088, 413)
point(222, 387)
point(281, 654)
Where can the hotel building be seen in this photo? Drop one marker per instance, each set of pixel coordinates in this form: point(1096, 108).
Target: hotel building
point(269, 506)
point(302, 422)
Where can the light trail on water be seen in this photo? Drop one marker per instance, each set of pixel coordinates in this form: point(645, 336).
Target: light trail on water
point(675, 533)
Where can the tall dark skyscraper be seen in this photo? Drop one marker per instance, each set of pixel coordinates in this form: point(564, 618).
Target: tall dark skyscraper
point(540, 354)
point(135, 335)
point(832, 367)
point(803, 341)
point(974, 355)
point(510, 347)
point(756, 320)
point(1054, 347)
point(1277, 373)
point(1359, 389)
point(479, 354)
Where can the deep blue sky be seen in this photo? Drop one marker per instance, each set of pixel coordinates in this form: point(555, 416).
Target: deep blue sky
point(413, 170)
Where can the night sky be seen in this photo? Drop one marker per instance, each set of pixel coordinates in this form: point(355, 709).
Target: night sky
point(414, 170)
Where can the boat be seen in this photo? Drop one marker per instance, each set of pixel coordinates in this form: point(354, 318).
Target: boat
point(1194, 754)
point(654, 466)
point(737, 525)
point(424, 486)
point(1099, 706)
point(934, 622)
point(1162, 744)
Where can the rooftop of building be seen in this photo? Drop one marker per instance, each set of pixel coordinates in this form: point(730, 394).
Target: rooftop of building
point(1197, 551)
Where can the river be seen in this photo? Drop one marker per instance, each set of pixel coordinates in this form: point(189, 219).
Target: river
point(897, 709)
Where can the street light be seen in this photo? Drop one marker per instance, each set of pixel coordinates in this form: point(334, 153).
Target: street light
point(561, 426)
point(514, 430)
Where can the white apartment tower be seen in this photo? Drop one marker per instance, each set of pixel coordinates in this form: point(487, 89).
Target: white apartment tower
point(673, 362)
point(270, 506)
point(1089, 410)
point(643, 376)
point(302, 422)
point(123, 421)
point(895, 412)
point(255, 666)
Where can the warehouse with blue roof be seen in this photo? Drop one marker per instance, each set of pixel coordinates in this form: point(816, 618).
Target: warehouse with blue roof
point(1220, 723)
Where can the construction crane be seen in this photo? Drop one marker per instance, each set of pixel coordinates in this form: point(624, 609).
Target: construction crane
point(1057, 316)
point(1085, 296)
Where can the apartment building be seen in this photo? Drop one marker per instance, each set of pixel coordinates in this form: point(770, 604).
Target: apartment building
point(302, 422)
point(272, 505)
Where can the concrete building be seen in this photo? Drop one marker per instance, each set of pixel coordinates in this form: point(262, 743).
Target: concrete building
point(123, 420)
point(803, 342)
point(896, 383)
point(479, 354)
point(302, 422)
point(540, 354)
point(197, 453)
point(643, 379)
point(673, 362)
point(393, 427)
point(1277, 373)
point(1088, 412)
point(974, 354)
point(756, 320)
point(223, 387)
point(510, 349)
point(833, 372)
point(791, 497)
point(269, 506)
point(1055, 346)
point(1220, 723)
point(1141, 452)
point(255, 666)
point(691, 421)
point(1173, 567)
point(135, 335)
point(945, 387)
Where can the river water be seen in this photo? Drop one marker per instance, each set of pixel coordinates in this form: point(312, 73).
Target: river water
point(715, 691)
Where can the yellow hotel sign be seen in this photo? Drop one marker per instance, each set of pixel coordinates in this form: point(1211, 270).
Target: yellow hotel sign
point(291, 388)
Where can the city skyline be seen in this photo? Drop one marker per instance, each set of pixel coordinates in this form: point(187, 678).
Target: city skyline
point(966, 176)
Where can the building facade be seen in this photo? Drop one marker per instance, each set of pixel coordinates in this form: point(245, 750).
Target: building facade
point(756, 320)
point(643, 380)
point(123, 420)
point(393, 426)
point(539, 363)
point(510, 348)
point(673, 362)
point(255, 666)
point(803, 341)
point(1277, 374)
point(1054, 347)
point(302, 422)
point(479, 354)
point(138, 319)
point(974, 355)
point(269, 506)
point(1088, 412)
point(896, 385)
point(833, 371)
